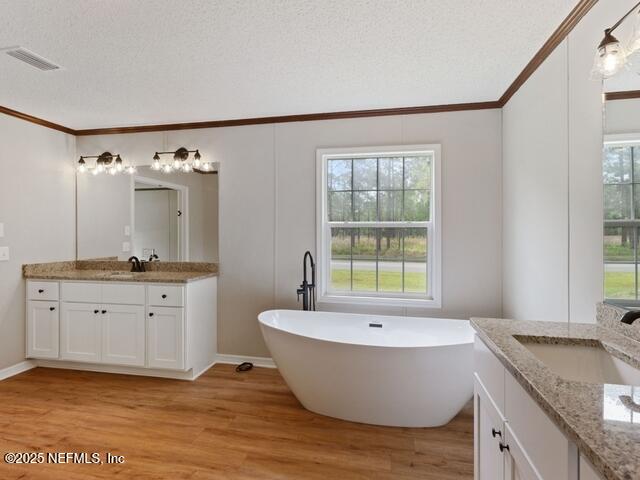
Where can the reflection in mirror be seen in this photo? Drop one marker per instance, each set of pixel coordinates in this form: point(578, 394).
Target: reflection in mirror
point(621, 179)
point(168, 217)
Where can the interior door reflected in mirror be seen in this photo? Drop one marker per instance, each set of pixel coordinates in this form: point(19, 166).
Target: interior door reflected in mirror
point(152, 215)
point(621, 187)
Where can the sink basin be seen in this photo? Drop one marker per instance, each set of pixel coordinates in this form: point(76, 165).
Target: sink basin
point(118, 275)
point(584, 363)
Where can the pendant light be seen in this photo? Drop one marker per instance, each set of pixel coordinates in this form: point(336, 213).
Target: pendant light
point(611, 55)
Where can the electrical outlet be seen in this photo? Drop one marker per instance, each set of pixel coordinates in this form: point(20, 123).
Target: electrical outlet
point(4, 254)
point(126, 247)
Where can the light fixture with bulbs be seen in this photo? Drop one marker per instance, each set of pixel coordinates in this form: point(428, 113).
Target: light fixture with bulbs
point(105, 163)
point(180, 162)
point(611, 55)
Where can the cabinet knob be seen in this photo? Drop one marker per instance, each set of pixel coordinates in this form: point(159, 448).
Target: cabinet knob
point(164, 295)
point(52, 308)
point(496, 433)
point(503, 447)
point(104, 311)
point(40, 290)
point(96, 311)
point(151, 314)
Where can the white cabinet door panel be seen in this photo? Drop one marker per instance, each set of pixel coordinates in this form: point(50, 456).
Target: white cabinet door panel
point(123, 335)
point(43, 324)
point(80, 332)
point(166, 338)
point(488, 434)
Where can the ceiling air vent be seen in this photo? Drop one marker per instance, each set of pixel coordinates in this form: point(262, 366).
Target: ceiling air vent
point(27, 56)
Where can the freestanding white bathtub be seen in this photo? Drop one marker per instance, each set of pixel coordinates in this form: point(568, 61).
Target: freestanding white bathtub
point(396, 371)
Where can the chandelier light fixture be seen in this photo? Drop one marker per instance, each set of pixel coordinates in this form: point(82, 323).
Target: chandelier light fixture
point(107, 162)
point(611, 55)
point(180, 162)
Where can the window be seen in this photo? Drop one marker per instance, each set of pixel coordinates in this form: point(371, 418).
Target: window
point(621, 177)
point(378, 231)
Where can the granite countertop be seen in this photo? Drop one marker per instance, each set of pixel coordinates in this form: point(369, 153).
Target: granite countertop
point(598, 418)
point(117, 271)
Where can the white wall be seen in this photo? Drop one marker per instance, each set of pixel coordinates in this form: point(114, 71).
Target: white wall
point(535, 201)
point(267, 207)
point(545, 279)
point(38, 211)
point(623, 116)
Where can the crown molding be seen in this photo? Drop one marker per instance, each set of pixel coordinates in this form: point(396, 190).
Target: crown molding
point(38, 121)
point(567, 25)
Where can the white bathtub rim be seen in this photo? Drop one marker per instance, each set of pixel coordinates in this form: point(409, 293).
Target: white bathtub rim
point(368, 345)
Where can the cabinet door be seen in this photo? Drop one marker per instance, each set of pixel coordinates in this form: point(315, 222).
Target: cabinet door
point(123, 335)
point(488, 435)
point(518, 466)
point(80, 332)
point(166, 338)
point(43, 322)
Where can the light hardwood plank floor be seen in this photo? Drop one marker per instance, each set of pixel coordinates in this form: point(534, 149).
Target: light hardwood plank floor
point(223, 426)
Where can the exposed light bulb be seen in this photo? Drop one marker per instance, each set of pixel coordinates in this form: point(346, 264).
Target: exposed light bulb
point(119, 166)
point(176, 163)
point(196, 159)
point(206, 167)
point(112, 171)
point(94, 171)
point(610, 57)
point(82, 168)
point(186, 167)
point(167, 168)
point(100, 168)
point(131, 170)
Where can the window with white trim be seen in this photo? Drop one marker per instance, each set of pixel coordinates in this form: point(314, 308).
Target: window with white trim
point(378, 225)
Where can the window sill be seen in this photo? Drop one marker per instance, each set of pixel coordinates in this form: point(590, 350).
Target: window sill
point(379, 301)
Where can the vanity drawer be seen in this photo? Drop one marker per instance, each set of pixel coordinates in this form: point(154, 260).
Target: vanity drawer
point(123, 294)
point(81, 292)
point(166, 296)
point(42, 290)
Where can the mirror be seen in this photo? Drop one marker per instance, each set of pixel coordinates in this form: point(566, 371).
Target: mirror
point(621, 179)
point(171, 217)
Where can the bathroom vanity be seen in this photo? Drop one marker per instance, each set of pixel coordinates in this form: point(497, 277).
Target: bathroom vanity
point(555, 401)
point(156, 323)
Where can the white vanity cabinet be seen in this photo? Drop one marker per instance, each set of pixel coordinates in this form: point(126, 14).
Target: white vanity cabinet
point(152, 328)
point(43, 320)
point(514, 439)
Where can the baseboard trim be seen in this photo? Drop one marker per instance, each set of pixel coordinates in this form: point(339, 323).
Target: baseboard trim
point(121, 370)
point(264, 362)
point(16, 369)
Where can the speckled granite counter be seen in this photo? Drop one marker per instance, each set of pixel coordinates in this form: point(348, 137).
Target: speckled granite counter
point(115, 271)
point(601, 421)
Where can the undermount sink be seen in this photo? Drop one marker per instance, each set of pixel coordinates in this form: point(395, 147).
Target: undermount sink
point(584, 363)
point(121, 275)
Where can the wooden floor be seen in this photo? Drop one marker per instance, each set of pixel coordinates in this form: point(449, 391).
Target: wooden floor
point(225, 425)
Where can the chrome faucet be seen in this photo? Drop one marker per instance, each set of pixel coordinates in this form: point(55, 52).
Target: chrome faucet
point(308, 290)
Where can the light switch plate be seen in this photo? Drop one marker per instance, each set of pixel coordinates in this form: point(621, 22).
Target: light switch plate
point(126, 247)
point(1, 229)
point(4, 254)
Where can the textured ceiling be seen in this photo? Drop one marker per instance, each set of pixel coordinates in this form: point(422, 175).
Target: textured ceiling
point(131, 62)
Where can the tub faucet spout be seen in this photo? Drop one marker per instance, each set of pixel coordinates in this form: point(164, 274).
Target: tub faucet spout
point(308, 290)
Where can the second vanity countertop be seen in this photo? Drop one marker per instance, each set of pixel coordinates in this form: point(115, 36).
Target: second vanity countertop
point(117, 271)
point(593, 416)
